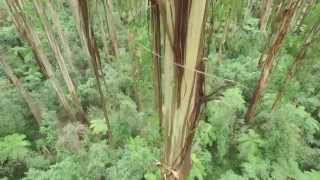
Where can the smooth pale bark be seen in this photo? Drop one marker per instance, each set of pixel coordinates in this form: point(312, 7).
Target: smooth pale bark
point(309, 39)
point(304, 12)
point(62, 36)
point(103, 28)
point(183, 22)
point(270, 56)
point(265, 13)
point(82, 17)
point(27, 33)
point(35, 110)
point(60, 60)
point(111, 28)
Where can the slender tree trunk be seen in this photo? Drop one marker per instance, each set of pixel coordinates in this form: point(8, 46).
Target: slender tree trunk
point(111, 28)
point(136, 72)
point(183, 22)
point(224, 38)
point(155, 29)
point(304, 12)
point(309, 39)
point(25, 94)
point(62, 36)
point(287, 13)
point(27, 33)
point(103, 29)
point(83, 23)
point(60, 60)
point(265, 13)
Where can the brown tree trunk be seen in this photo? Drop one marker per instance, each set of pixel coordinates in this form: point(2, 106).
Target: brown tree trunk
point(62, 36)
point(111, 28)
point(286, 14)
point(25, 94)
point(155, 29)
point(27, 33)
point(81, 13)
point(60, 60)
point(309, 39)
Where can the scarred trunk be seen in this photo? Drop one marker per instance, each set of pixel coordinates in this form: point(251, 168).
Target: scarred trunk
point(183, 22)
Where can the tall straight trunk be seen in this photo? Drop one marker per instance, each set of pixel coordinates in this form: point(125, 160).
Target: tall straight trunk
point(81, 13)
point(35, 110)
point(136, 72)
point(286, 17)
point(304, 12)
point(183, 22)
point(103, 28)
point(155, 28)
point(60, 60)
point(27, 33)
point(309, 39)
point(265, 13)
point(111, 28)
point(62, 36)
point(224, 37)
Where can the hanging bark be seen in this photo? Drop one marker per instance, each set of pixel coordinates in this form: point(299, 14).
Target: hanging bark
point(286, 14)
point(309, 39)
point(35, 110)
point(60, 60)
point(183, 22)
point(27, 33)
point(81, 13)
point(155, 29)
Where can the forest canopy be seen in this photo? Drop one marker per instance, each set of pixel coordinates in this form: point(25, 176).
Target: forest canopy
point(159, 89)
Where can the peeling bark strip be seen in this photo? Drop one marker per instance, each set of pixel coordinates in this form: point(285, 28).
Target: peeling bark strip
point(27, 33)
point(25, 94)
point(309, 39)
point(286, 14)
point(81, 13)
point(183, 23)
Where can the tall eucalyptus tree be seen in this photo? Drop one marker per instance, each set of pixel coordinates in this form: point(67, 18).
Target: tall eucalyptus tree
point(183, 22)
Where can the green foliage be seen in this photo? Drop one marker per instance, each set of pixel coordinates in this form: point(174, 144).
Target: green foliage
point(98, 126)
point(13, 147)
point(137, 159)
point(223, 117)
